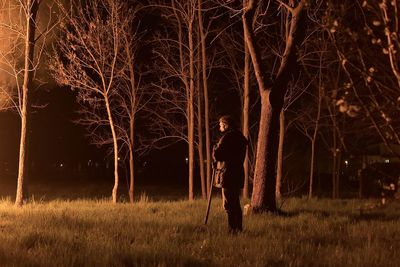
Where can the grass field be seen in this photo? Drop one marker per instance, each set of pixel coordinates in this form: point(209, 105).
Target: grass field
point(97, 233)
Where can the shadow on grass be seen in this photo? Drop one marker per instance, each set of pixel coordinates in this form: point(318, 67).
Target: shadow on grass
point(375, 215)
point(122, 259)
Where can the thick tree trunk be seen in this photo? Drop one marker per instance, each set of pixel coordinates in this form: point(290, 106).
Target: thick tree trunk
point(205, 93)
point(32, 7)
point(263, 198)
point(115, 147)
point(272, 96)
point(279, 171)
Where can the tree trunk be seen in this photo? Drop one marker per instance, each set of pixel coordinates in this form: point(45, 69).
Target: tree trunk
point(246, 107)
point(32, 7)
point(115, 144)
point(279, 171)
point(131, 162)
point(263, 198)
point(200, 133)
point(205, 93)
point(272, 97)
point(189, 86)
point(313, 141)
point(338, 169)
point(360, 174)
point(132, 113)
point(191, 110)
point(311, 179)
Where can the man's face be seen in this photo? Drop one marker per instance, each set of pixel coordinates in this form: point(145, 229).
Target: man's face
point(223, 126)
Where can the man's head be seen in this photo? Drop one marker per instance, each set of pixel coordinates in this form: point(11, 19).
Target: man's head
point(226, 122)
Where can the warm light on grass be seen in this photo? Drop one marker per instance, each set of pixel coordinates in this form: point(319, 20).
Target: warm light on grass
point(98, 233)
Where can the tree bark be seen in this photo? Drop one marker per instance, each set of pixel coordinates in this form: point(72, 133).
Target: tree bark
point(191, 110)
point(132, 112)
point(246, 108)
point(32, 7)
point(131, 161)
point(115, 147)
point(205, 93)
point(279, 171)
point(272, 97)
point(313, 143)
point(311, 179)
point(200, 131)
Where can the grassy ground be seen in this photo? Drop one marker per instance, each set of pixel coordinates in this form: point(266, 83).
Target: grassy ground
point(98, 233)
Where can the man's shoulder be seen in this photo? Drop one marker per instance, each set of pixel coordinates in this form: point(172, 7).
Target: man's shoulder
point(236, 135)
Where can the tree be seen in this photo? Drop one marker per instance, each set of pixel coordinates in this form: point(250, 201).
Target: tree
point(204, 79)
point(87, 60)
point(375, 84)
point(131, 98)
point(272, 95)
point(175, 67)
point(20, 53)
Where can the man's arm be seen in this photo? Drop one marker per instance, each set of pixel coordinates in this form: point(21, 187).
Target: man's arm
point(219, 150)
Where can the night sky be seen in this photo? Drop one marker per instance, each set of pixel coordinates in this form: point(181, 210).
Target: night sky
point(60, 150)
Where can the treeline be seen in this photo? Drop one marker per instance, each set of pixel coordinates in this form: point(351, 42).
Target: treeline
point(151, 73)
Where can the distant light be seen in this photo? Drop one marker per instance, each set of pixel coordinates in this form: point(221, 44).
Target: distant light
point(61, 165)
point(387, 161)
point(187, 160)
point(119, 158)
point(346, 162)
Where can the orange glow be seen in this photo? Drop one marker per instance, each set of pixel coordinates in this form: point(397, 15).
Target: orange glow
point(9, 28)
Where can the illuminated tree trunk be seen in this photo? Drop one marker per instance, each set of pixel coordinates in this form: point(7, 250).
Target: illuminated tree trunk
point(246, 107)
point(272, 98)
point(200, 132)
point(205, 93)
point(131, 162)
point(132, 112)
point(279, 171)
point(32, 7)
point(191, 110)
point(115, 146)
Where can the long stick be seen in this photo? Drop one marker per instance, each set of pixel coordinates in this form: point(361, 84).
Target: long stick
point(209, 196)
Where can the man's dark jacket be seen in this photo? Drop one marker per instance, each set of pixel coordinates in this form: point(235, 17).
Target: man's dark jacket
point(230, 152)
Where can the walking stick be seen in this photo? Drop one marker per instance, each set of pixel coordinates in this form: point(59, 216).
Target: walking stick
point(209, 196)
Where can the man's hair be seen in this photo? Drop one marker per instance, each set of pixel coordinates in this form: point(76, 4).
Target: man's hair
point(228, 120)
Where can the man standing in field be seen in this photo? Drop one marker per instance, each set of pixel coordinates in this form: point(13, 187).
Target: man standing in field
point(229, 154)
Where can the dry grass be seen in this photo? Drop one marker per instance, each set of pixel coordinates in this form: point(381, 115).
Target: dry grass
point(98, 233)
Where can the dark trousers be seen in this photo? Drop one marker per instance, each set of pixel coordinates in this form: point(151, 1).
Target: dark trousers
point(231, 204)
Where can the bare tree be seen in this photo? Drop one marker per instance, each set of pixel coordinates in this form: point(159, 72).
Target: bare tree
point(23, 42)
point(175, 57)
point(272, 96)
point(87, 60)
point(130, 99)
point(204, 77)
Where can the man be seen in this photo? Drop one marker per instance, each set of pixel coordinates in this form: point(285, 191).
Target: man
point(229, 154)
